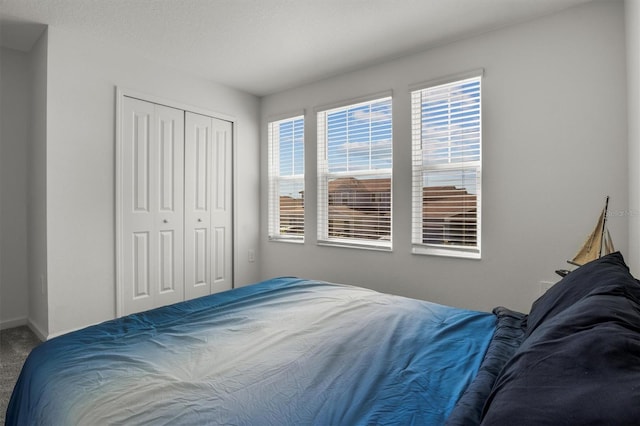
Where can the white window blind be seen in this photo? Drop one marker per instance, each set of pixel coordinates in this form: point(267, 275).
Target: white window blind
point(354, 175)
point(446, 190)
point(285, 145)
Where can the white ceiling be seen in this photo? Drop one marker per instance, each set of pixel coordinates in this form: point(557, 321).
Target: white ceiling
point(265, 46)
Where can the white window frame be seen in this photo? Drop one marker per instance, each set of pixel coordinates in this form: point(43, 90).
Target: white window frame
point(418, 245)
point(324, 176)
point(275, 180)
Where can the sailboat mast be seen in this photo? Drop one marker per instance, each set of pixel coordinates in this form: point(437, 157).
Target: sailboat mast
point(604, 225)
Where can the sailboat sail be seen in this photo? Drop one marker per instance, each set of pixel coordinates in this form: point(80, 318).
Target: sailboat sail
point(598, 243)
point(608, 244)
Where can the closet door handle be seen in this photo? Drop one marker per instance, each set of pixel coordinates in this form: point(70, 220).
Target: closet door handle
point(165, 221)
point(199, 220)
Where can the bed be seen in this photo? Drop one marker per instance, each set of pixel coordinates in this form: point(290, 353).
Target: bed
point(295, 351)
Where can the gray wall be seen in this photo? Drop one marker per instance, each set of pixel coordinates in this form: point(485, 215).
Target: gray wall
point(554, 144)
point(14, 135)
point(57, 184)
point(632, 25)
point(23, 246)
point(37, 195)
point(81, 80)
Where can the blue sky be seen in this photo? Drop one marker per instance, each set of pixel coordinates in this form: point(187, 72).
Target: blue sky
point(451, 124)
point(360, 137)
point(451, 134)
point(291, 151)
point(292, 147)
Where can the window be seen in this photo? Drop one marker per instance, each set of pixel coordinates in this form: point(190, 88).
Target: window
point(286, 179)
point(354, 175)
point(446, 190)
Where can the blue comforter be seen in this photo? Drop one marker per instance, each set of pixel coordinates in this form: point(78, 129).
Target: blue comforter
point(285, 351)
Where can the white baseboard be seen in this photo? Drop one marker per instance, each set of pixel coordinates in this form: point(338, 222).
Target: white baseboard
point(71, 330)
point(13, 322)
point(37, 330)
point(17, 322)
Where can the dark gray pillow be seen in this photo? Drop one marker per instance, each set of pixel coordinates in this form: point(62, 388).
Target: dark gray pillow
point(606, 271)
point(581, 364)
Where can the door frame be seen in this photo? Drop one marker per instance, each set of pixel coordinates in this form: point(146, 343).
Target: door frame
point(121, 93)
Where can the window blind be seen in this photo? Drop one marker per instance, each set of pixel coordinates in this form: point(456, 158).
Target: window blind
point(354, 174)
point(446, 189)
point(285, 146)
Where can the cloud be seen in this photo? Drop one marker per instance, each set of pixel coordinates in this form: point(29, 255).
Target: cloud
point(363, 147)
point(361, 156)
point(379, 115)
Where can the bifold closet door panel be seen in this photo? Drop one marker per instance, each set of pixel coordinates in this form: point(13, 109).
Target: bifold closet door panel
point(170, 190)
point(208, 205)
point(197, 201)
point(222, 208)
point(152, 233)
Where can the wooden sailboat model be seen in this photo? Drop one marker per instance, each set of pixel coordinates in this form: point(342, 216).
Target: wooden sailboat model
point(598, 243)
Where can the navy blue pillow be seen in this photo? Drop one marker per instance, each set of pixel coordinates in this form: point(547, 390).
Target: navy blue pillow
point(581, 365)
point(606, 271)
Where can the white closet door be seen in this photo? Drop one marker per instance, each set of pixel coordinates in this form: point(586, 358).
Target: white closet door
point(197, 203)
point(152, 232)
point(222, 207)
point(208, 205)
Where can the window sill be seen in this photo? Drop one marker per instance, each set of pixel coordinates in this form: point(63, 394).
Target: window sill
point(286, 240)
point(457, 252)
point(356, 245)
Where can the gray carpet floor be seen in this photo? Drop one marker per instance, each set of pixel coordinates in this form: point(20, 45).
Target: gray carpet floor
point(15, 345)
